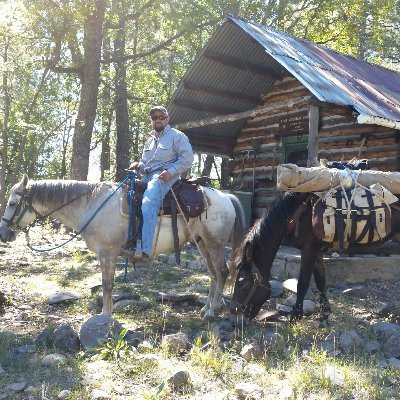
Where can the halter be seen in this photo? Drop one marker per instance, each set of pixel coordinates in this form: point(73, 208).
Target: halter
point(257, 282)
point(25, 203)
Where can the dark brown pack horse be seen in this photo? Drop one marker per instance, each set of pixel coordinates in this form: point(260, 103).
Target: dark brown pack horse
point(259, 249)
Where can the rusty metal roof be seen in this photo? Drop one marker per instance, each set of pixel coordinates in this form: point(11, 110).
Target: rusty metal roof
point(243, 60)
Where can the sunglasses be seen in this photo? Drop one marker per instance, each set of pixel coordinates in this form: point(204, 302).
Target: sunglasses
point(158, 117)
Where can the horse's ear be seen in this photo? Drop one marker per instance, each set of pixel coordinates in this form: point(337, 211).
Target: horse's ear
point(24, 180)
point(248, 251)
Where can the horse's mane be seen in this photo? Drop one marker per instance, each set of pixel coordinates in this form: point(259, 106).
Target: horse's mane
point(269, 229)
point(61, 192)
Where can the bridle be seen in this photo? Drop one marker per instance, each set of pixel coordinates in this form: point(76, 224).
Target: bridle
point(24, 203)
point(257, 282)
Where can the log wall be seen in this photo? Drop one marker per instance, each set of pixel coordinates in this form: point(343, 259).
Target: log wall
point(339, 138)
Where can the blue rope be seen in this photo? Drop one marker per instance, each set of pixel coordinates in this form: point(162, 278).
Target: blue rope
point(132, 176)
point(88, 222)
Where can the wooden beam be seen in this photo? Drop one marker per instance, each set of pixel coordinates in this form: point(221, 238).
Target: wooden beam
point(213, 144)
point(203, 107)
point(222, 93)
point(242, 65)
point(216, 120)
point(313, 123)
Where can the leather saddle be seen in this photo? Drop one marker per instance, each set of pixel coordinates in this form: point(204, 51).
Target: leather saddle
point(185, 197)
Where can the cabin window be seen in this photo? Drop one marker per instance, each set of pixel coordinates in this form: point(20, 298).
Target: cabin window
point(294, 151)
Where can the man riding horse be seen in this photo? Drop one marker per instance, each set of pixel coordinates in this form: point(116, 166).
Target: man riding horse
point(166, 155)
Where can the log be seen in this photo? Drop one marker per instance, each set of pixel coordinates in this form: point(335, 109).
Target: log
point(291, 177)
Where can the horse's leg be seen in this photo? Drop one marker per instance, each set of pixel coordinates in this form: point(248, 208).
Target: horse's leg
point(309, 255)
point(108, 265)
point(320, 282)
point(218, 272)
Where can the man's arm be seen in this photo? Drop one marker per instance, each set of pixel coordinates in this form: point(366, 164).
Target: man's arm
point(185, 155)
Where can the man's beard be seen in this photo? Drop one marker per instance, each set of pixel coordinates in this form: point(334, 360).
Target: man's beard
point(158, 128)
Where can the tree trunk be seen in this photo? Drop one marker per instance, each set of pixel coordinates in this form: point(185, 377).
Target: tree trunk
point(121, 100)
point(208, 164)
point(225, 178)
point(4, 133)
point(90, 78)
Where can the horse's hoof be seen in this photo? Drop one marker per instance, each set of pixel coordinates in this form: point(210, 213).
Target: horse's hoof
point(204, 310)
point(209, 316)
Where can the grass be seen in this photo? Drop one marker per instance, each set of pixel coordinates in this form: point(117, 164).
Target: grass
point(294, 365)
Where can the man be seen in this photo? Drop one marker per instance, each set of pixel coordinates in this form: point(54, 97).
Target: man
point(166, 155)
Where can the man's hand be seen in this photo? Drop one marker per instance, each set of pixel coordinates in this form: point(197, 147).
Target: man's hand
point(134, 166)
point(165, 176)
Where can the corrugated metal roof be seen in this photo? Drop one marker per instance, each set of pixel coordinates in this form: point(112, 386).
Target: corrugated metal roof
point(331, 76)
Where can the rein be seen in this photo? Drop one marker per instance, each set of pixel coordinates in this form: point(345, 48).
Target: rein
point(84, 226)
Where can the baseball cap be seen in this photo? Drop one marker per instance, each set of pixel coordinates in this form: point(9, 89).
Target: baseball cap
point(159, 108)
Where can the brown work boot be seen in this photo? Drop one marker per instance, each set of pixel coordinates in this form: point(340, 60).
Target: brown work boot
point(133, 257)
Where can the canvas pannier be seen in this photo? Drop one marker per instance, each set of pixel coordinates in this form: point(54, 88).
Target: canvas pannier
point(367, 220)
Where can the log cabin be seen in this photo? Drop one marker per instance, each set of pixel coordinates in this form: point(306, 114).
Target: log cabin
point(261, 97)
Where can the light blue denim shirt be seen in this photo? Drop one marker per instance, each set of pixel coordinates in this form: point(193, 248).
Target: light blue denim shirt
point(172, 151)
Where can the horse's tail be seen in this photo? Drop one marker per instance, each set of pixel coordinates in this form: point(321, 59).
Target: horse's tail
point(238, 232)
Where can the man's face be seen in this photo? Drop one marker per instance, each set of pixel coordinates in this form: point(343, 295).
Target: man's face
point(159, 121)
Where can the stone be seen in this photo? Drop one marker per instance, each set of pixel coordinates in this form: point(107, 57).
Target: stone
point(290, 284)
point(349, 341)
point(276, 288)
point(120, 296)
point(251, 351)
point(309, 307)
point(64, 394)
point(249, 391)
point(359, 292)
point(266, 315)
point(372, 346)
point(283, 309)
point(18, 386)
point(98, 327)
point(65, 338)
point(392, 347)
point(394, 362)
point(98, 394)
point(128, 304)
point(53, 359)
point(179, 379)
point(382, 327)
point(176, 342)
point(2, 371)
point(45, 338)
point(61, 297)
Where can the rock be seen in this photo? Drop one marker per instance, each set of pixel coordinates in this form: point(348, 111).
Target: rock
point(249, 391)
point(176, 343)
point(392, 347)
point(266, 315)
point(394, 362)
point(349, 341)
point(386, 329)
point(64, 394)
point(66, 339)
point(99, 327)
point(372, 346)
point(116, 297)
point(98, 394)
point(276, 288)
point(359, 292)
point(290, 284)
point(60, 297)
point(334, 374)
point(271, 338)
point(2, 371)
point(53, 359)
point(179, 379)
point(128, 304)
point(226, 326)
point(18, 386)
point(45, 338)
point(385, 310)
point(251, 351)
point(174, 297)
point(284, 309)
point(26, 349)
point(309, 307)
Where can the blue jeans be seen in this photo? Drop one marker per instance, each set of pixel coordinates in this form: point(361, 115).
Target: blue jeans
point(152, 200)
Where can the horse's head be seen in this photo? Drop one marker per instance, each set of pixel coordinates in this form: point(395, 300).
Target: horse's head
point(251, 290)
point(18, 212)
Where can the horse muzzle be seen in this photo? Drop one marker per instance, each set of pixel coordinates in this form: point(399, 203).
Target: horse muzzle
point(6, 234)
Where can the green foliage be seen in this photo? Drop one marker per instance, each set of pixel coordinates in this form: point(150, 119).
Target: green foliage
point(115, 348)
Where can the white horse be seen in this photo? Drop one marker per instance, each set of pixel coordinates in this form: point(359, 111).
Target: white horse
point(73, 203)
